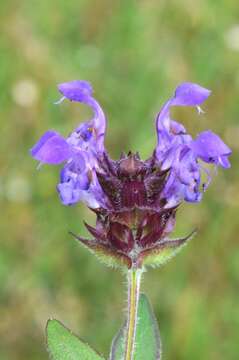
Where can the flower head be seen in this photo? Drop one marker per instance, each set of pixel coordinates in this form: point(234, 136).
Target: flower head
point(135, 201)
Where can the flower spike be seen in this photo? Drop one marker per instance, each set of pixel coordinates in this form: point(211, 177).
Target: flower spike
point(135, 201)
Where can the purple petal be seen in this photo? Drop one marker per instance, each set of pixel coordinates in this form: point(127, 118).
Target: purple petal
point(81, 91)
point(49, 134)
point(169, 157)
point(74, 168)
point(77, 181)
point(210, 148)
point(52, 148)
point(76, 90)
point(163, 119)
point(186, 94)
point(70, 195)
point(177, 128)
point(189, 94)
point(173, 191)
point(192, 195)
point(184, 180)
point(224, 162)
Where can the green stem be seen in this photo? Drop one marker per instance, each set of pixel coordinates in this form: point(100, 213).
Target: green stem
point(134, 277)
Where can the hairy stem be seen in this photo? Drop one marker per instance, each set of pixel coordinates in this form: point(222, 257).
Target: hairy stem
point(134, 277)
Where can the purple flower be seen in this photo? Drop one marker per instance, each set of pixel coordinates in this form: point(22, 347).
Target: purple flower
point(79, 150)
point(178, 152)
point(135, 201)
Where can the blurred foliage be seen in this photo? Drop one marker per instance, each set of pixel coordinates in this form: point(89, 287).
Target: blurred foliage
point(134, 53)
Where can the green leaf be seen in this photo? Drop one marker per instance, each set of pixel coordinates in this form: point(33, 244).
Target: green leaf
point(163, 252)
point(64, 345)
point(147, 339)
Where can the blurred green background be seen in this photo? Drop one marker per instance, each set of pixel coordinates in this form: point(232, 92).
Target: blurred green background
point(134, 53)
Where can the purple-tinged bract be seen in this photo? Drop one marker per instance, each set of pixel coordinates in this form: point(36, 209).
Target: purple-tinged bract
point(135, 201)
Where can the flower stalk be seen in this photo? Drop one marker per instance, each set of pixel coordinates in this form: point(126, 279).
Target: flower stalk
point(134, 279)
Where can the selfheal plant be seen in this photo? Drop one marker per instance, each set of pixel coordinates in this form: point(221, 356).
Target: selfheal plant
point(135, 201)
